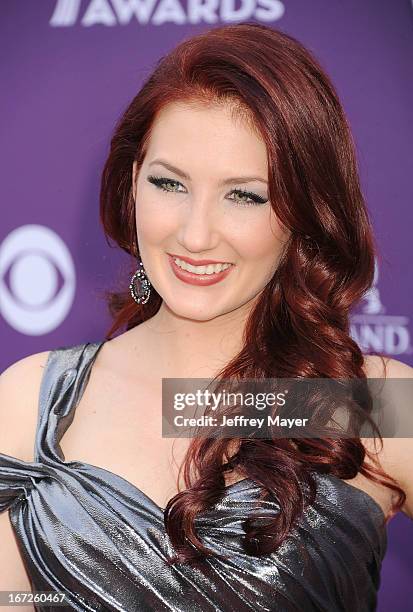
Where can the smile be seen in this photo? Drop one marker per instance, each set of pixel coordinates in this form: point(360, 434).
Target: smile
point(199, 275)
point(209, 269)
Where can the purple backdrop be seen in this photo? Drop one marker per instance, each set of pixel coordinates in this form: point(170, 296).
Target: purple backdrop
point(70, 67)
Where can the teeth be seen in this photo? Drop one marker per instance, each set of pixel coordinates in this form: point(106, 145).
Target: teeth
point(209, 269)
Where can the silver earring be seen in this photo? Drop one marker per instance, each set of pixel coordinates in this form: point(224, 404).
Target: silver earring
point(140, 286)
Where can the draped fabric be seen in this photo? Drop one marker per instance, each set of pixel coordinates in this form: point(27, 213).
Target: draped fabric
point(91, 534)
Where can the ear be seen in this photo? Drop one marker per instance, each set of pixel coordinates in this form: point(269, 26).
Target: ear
point(134, 179)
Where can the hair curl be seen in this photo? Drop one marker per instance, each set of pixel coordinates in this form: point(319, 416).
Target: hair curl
point(299, 327)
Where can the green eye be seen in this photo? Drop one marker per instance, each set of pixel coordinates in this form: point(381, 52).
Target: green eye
point(253, 198)
point(162, 183)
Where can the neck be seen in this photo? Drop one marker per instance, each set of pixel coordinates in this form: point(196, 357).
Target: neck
point(190, 348)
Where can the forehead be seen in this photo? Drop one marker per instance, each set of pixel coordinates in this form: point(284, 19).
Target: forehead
point(207, 136)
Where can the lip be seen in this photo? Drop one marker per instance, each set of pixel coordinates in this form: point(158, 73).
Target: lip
point(198, 262)
point(191, 278)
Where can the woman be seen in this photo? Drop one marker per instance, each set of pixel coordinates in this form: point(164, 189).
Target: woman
point(235, 153)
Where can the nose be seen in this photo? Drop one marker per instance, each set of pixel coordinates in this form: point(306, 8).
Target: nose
point(199, 227)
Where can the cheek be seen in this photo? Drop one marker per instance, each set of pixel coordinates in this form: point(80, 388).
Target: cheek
point(261, 239)
point(153, 220)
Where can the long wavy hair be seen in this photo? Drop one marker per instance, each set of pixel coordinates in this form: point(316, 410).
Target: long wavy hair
point(299, 326)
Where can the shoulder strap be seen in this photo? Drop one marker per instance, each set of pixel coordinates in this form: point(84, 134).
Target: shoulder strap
point(64, 378)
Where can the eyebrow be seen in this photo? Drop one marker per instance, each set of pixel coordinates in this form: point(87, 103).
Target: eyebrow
point(232, 179)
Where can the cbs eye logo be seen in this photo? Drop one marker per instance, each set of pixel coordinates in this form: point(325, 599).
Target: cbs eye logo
point(37, 279)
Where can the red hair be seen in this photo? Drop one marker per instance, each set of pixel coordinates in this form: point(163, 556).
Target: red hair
point(299, 326)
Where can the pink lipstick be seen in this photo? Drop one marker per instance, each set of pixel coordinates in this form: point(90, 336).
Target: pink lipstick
point(202, 280)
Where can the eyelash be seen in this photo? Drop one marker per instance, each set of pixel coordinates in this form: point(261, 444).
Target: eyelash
point(159, 181)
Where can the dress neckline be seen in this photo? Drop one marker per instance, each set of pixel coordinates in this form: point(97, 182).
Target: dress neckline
point(245, 483)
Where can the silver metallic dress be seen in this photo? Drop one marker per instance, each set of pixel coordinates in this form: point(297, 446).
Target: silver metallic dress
point(91, 534)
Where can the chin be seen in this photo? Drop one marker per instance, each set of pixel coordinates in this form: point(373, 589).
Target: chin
point(191, 311)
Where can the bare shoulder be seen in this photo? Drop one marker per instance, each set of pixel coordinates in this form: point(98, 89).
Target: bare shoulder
point(19, 400)
point(396, 454)
point(377, 366)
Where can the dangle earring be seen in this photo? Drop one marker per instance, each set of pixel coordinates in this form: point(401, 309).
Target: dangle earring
point(140, 286)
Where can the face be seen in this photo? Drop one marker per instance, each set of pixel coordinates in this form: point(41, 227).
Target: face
point(201, 193)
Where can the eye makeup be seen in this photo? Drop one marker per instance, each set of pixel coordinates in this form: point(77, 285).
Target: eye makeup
point(161, 182)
